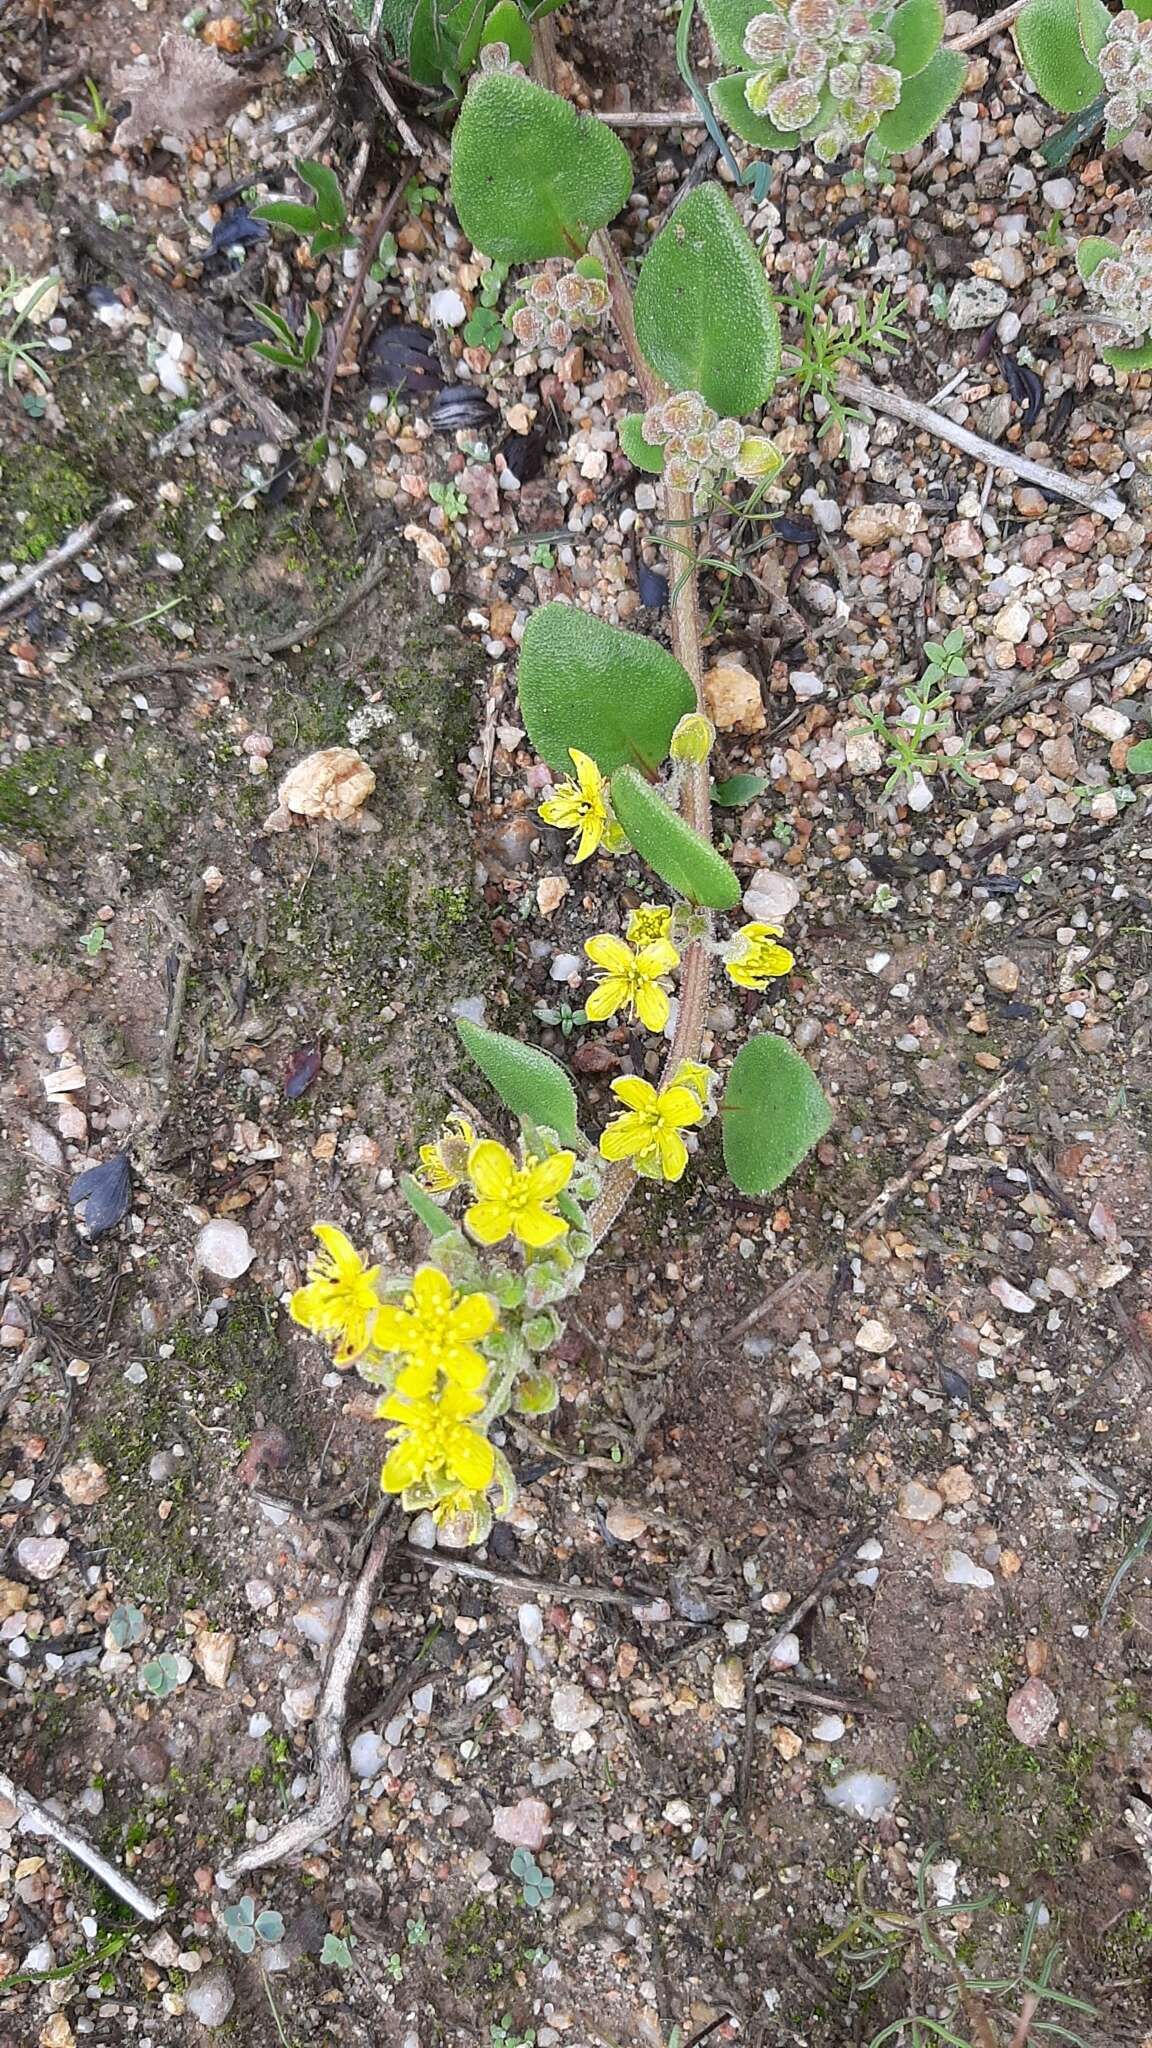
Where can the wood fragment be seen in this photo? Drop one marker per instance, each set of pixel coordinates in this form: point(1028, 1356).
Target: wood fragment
point(77, 543)
point(41, 1820)
point(370, 252)
point(57, 81)
point(574, 1595)
point(1094, 497)
point(985, 30)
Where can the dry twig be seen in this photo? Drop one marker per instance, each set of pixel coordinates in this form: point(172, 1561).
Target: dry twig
point(371, 251)
point(41, 1820)
point(57, 81)
point(574, 1595)
point(985, 30)
point(77, 543)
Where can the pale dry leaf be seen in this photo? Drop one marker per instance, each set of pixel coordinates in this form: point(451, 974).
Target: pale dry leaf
point(185, 91)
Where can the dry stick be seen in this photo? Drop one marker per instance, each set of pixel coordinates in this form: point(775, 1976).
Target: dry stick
point(59, 81)
point(1096, 497)
point(371, 251)
point(896, 1188)
point(985, 30)
point(180, 312)
point(828, 1577)
point(575, 1595)
point(45, 1822)
point(180, 990)
point(76, 544)
point(333, 1777)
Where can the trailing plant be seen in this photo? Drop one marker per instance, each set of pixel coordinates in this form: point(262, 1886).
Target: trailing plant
point(324, 221)
point(1119, 280)
point(833, 73)
point(1076, 53)
point(464, 1338)
point(925, 717)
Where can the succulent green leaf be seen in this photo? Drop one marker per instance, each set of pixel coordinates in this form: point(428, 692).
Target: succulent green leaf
point(916, 30)
point(705, 317)
point(535, 1393)
point(506, 24)
point(739, 789)
point(1048, 39)
point(530, 176)
point(1139, 760)
point(425, 47)
point(614, 695)
point(727, 96)
point(1094, 22)
point(924, 100)
point(1139, 358)
point(728, 21)
point(637, 449)
point(288, 213)
point(529, 1082)
point(326, 185)
point(670, 846)
point(431, 1215)
point(1092, 252)
point(774, 1111)
point(470, 18)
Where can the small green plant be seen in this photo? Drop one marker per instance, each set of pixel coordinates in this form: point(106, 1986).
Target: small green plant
point(385, 259)
point(163, 1674)
point(125, 1626)
point(925, 716)
point(439, 42)
point(336, 1953)
point(97, 118)
point(95, 942)
point(535, 1887)
point(1118, 277)
point(288, 351)
point(504, 2034)
point(484, 327)
point(451, 501)
point(244, 1926)
point(826, 346)
point(1077, 53)
point(562, 1017)
point(543, 556)
point(835, 76)
point(324, 222)
point(416, 1933)
point(19, 298)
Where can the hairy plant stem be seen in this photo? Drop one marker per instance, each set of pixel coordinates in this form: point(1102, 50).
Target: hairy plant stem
point(696, 803)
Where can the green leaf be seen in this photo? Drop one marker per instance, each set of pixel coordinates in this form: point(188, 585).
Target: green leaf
point(705, 317)
point(431, 1215)
point(728, 20)
point(288, 213)
point(331, 238)
point(336, 1953)
point(614, 695)
point(639, 451)
point(916, 31)
point(1094, 21)
point(670, 845)
point(924, 100)
point(1092, 252)
point(774, 1111)
point(529, 1082)
point(1129, 358)
point(739, 789)
point(1048, 40)
point(284, 359)
point(425, 49)
point(269, 1925)
point(1139, 760)
point(727, 95)
point(535, 1393)
point(530, 176)
point(506, 24)
point(326, 185)
point(471, 17)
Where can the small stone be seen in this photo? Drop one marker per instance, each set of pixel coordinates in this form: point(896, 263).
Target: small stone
point(1012, 1297)
point(728, 1682)
point(1036, 1656)
point(1031, 1711)
point(368, 1754)
point(1002, 973)
point(447, 308)
point(225, 1249)
point(573, 1712)
point(872, 525)
point(1106, 720)
point(1029, 502)
point(785, 1653)
point(1058, 193)
point(57, 2032)
point(13, 1598)
point(214, 1650)
point(959, 1569)
point(1012, 267)
point(525, 1825)
point(316, 1621)
point(148, 1760)
point(84, 1483)
point(956, 1485)
point(550, 893)
point(333, 783)
point(874, 1338)
point(1011, 624)
point(41, 1556)
point(828, 1728)
point(975, 302)
point(769, 898)
point(625, 1524)
point(963, 541)
point(733, 700)
point(918, 1503)
point(863, 753)
point(863, 1794)
point(45, 1146)
point(210, 1996)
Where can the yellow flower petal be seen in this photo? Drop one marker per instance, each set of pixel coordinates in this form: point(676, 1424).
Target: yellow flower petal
point(549, 1176)
point(652, 1006)
point(431, 1290)
point(606, 998)
point(610, 953)
point(623, 1136)
point(489, 1222)
point(491, 1169)
point(660, 957)
point(680, 1106)
point(416, 1381)
point(537, 1227)
point(473, 1319)
point(340, 1249)
point(402, 1466)
point(393, 1328)
point(470, 1458)
point(673, 1153)
point(637, 1093)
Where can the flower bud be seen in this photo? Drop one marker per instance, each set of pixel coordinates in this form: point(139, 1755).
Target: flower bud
point(693, 738)
point(759, 459)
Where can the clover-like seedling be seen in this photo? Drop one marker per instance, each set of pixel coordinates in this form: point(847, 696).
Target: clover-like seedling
point(324, 221)
point(125, 1626)
point(535, 1887)
point(833, 73)
point(336, 1952)
point(244, 1927)
point(162, 1674)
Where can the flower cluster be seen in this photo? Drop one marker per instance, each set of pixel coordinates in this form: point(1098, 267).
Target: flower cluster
point(697, 443)
point(556, 300)
point(1123, 284)
point(1125, 64)
point(818, 52)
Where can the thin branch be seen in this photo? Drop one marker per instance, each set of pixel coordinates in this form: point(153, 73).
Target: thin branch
point(574, 1594)
point(58, 81)
point(985, 30)
point(41, 1820)
point(77, 543)
point(371, 251)
point(1096, 497)
point(180, 990)
point(333, 1781)
point(675, 117)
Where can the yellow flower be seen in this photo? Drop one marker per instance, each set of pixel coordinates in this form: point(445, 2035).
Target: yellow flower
point(340, 1300)
point(630, 980)
point(582, 806)
point(751, 959)
point(759, 459)
point(465, 1518)
point(514, 1199)
point(650, 922)
point(436, 1329)
point(692, 1074)
point(432, 1440)
point(444, 1163)
point(649, 1131)
point(693, 738)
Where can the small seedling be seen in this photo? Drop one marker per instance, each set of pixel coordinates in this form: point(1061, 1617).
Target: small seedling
point(324, 222)
point(98, 117)
point(416, 1933)
point(95, 941)
point(925, 715)
point(164, 1673)
point(19, 298)
point(484, 327)
point(503, 2033)
point(336, 1952)
point(385, 259)
point(288, 351)
point(827, 346)
point(561, 1017)
point(244, 1927)
point(452, 502)
point(542, 556)
point(125, 1626)
point(536, 1888)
